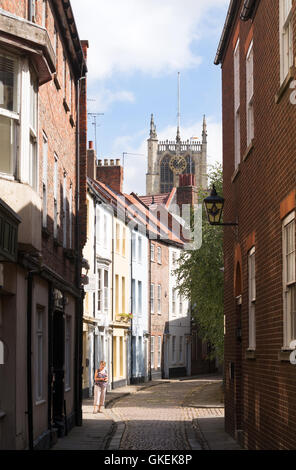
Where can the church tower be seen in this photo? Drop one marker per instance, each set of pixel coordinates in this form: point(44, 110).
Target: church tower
point(168, 159)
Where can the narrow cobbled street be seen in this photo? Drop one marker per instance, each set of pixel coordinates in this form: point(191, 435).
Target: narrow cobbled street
point(165, 416)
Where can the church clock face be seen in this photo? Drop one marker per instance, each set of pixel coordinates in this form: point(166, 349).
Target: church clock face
point(178, 164)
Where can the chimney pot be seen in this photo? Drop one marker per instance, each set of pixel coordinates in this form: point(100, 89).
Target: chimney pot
point(118, 162)
point(112, 162)
point(99, 162)
point(91, 145)
point(106, 162)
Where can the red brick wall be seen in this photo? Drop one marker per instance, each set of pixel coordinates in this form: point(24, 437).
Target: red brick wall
point(54, 120)
point(17, 7)
point(159, 275)
point(262, 393)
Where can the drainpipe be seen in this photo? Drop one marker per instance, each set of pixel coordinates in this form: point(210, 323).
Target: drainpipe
point(113, 280)
point(29, 359)
point(132, 319)
point(149, 310)
point(79, 302)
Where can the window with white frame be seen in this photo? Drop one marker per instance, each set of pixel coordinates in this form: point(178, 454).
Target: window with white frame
point(236, 59)
point(152, 352)
point(123, 310)
point(159, 299)
point(98, 225)
point(252, 298)
point(152, 250)
point(70, 92)
point(159, 255)
point(105, 231)
point(55, 197)
point(55, 43)
point(286, 38)
point(133, 296)
point(289, 279)
point(44, 12)
point(174, 348)
point(65, 210)
point(106, 290)
point(180, 348)
point(250, 93)
point(117, 238)
point(64, 75)
point(123, 240)
point(44, 180)
point(139, 249)
point(133, 246)
point(68, 352)
point(40, 349)
point(159, 352)
point(140, 297)
point(152, 298)
point(9, 113)
point(33, 162)
point(180, 304)
point(100, 290)
point(173, 301)
point(32, 10)
point(70, 215)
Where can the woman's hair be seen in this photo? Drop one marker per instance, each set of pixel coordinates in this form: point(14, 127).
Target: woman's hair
point(103, 362)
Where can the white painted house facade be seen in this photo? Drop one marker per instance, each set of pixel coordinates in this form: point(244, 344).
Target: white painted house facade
point(140, 321)
point(179, 347)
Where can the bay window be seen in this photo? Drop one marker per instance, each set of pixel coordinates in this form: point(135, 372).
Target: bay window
point(9, 113)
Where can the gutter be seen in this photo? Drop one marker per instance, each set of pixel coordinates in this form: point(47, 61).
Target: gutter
point(226, 31)
point(29, 359)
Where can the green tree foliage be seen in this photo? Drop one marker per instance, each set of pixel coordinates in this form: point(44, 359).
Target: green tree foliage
point(200, 277)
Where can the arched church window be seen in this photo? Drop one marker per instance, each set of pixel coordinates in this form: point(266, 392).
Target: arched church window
point(190, 169)
point(166, 175)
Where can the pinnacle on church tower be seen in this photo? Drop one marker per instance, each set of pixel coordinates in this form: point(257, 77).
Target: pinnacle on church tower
point(204, 130)
point(153, 134)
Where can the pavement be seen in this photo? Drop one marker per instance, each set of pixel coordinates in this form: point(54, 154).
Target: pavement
point(202, 411)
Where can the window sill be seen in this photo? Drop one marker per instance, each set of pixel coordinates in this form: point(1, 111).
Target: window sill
point(250, 354)
point(249, 150)
point(56, 82)
point(284, 355)
point(65, 104)
point(235, 174)
point(285, 85)
point(68, 389)
point(40, 402)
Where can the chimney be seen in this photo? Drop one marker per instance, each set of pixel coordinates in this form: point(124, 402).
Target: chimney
point(187, 190)
point(111, 174)
point(91, 161)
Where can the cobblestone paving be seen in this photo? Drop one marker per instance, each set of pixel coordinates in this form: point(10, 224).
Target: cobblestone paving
point(158, 418)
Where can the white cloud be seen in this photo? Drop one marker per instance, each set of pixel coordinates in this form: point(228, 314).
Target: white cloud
point(149, 36)
point(103, 98)
point(136, 166)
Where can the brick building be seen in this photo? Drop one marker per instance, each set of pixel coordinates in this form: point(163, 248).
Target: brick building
point(256, 52)
point(42, 80)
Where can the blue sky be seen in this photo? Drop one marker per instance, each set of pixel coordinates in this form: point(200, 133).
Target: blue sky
point(137, 48)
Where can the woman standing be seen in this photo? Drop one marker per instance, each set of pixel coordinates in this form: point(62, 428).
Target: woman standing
point(101, 381)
